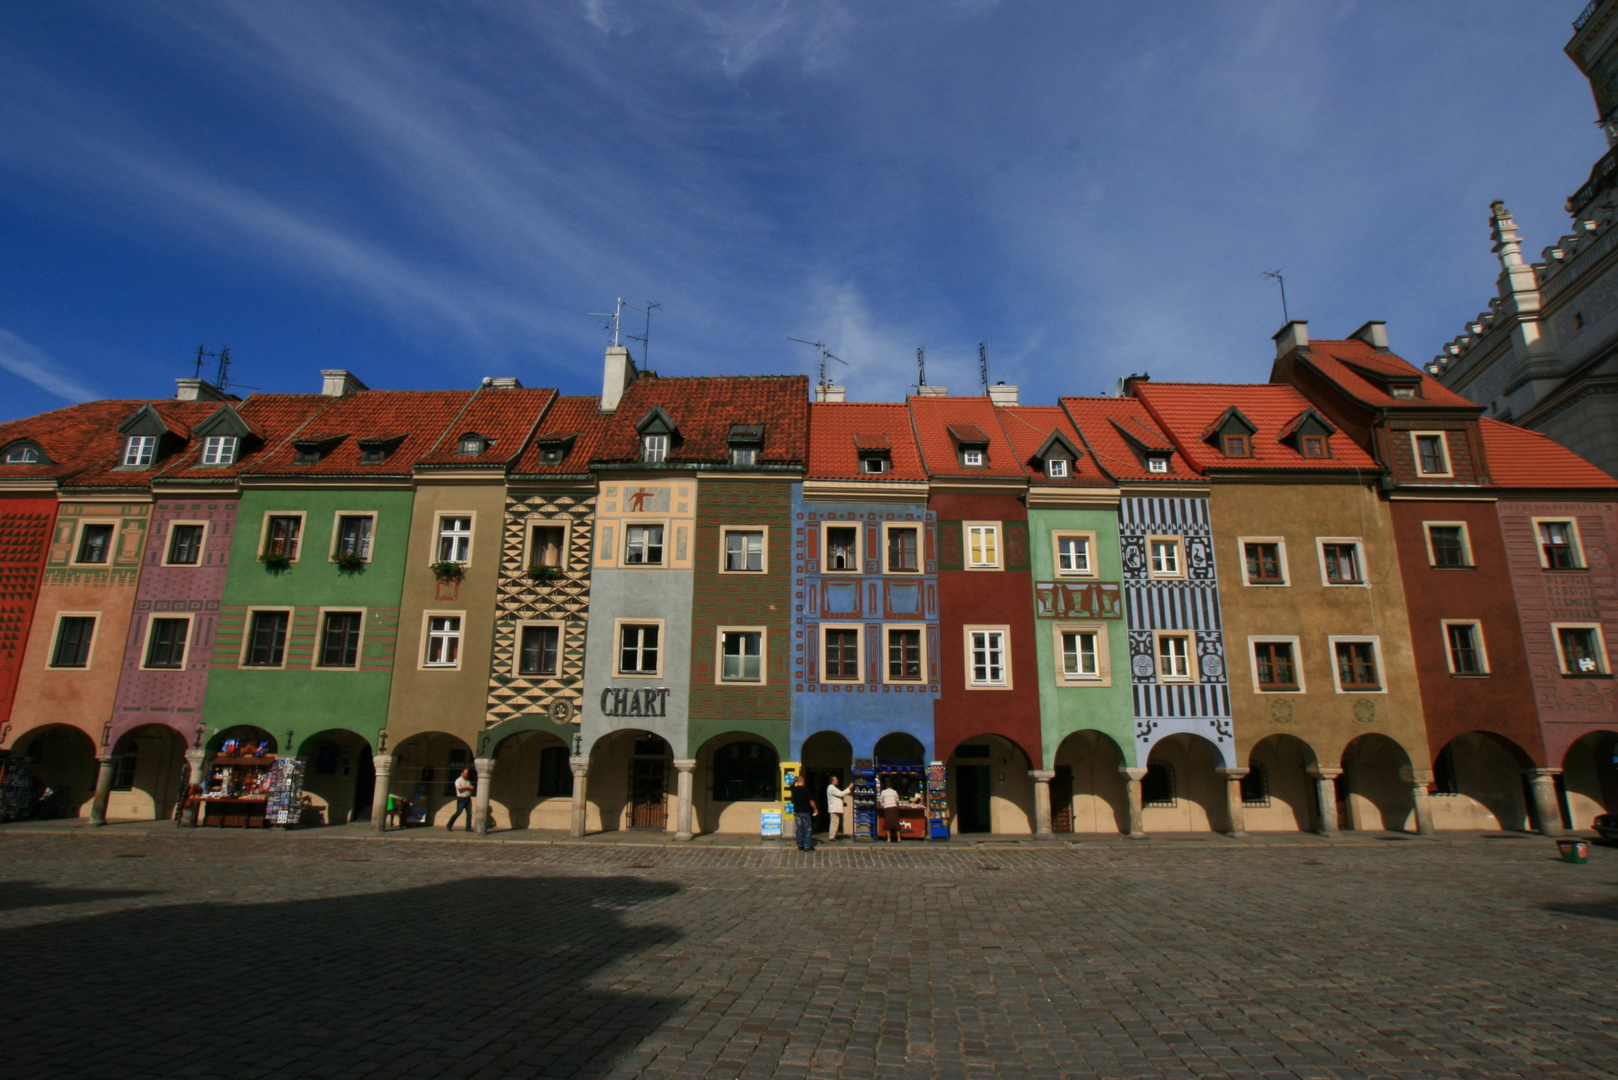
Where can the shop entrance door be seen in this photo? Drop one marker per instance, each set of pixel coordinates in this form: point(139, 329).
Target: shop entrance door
point(648, 787)
point(1062, 800)
point(972, 798)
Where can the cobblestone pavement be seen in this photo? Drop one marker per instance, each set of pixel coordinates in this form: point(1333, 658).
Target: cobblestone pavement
point(135, 955)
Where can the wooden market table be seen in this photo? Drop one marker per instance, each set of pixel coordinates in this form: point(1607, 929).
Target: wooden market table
point(912, 823)
point(234, 812)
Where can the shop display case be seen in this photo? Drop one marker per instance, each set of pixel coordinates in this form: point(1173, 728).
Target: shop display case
point(937, 802)
point(237, 792)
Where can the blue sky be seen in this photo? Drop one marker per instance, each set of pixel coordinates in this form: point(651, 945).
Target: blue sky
point(429, 193)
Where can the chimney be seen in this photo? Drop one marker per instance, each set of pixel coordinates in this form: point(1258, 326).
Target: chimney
point(502, 383)
point(199, 390)
point(1126, 385)
point(339, 383)
point(1001, 394)
point(1294, 335)
point(932, 391)
point(831, 392)
point(1374, 334)
point(616, 376)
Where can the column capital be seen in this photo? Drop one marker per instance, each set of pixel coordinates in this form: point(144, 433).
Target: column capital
point(1421, 777)
point(1324, 772)
point(382, 763)
point(1042, 776)
point(685, 764)
point(1131, 773)
point(106, 759)
point(1538, 775)
point(196, 755)
point(1232, 773)
point(579, 765)
point(484, 766)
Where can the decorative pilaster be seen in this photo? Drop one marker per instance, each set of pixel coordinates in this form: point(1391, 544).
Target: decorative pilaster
point(480, 798)
point(1137, 811)
point(104, 777)
point(684, 784)
point(1236, 812)
point(1042, 802)
point(581, 774)
point(383, 763)
point(1326, 796)
point(1547, 807)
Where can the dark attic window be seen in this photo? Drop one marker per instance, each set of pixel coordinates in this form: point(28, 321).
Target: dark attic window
point(875, 463)
point(24, 454)
point(471, 446)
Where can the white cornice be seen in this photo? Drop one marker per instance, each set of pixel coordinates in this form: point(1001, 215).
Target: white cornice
point(898, 491)
point(32, 487)
point(1054, 498)
point(138, 496)
point(353, 482)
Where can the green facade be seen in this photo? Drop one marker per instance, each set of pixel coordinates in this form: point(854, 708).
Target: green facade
point(301, 699)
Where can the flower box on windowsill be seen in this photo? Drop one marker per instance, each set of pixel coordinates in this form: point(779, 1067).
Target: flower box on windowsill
point(544, 572)
point(276, 561)
point(448, 571)
point(349, 562)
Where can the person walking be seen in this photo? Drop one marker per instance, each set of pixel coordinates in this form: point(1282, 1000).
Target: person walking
point(834, 806)
point(890, 809)
point(464, 787)
point(803, 812)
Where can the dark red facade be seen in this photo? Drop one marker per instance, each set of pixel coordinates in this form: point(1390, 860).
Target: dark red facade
point(25, 533)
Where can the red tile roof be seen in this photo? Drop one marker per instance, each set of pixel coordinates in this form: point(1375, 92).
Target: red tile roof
point(504, 416)
point(1186, 411)
point(74, 439)
point(1029, 426)
point(272, 418)
point(837, 430)
point(578, 419)
point(177, 416)
point(934, 418)
point(703, 410)
point(1519, 458)
point(423, 415)
point(1354, 366)
point(1103, 420)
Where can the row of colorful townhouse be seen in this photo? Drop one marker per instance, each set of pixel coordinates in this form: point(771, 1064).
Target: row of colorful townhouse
point(1340, 600)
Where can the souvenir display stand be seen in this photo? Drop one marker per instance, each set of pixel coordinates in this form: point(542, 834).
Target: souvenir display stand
point(937, 802)
point(909, 779)
point(863, 794)
point(284, 793)
point(237, 792)
point(16, 787)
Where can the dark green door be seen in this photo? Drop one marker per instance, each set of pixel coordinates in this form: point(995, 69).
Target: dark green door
point(972, 798)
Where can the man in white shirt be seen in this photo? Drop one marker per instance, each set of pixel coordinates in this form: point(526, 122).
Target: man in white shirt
point(464, 789)
point(834, 805)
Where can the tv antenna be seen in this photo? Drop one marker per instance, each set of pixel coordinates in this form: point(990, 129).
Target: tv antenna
point(825, 354)
point(921, 367)
point(614, 315)
point(1281, 281)
point(646, 338)
point(983, 364)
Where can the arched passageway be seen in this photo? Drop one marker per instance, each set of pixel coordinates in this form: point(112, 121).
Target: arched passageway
point(1278, 792)
point(1480, 782)
point(989, 787)
point(631, 783)
point(826, 754)
point(424, 770)
point(1181, 791)
point(1375, 790)
point(50, 773)
point(149, 773)
point(738, 775)
point(1589, 780)
point(532, 786)
point(339, 778)
point(1088, 793)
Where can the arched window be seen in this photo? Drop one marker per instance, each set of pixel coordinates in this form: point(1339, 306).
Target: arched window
point(745, 771)
point(24, 454)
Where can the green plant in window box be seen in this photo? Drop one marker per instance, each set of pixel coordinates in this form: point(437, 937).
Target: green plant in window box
point(349, 562)
point(544, 572)
point(276, 561)
point(448, 570)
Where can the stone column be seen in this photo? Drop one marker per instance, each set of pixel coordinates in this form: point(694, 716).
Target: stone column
point(581, 774)
point(480, 798)
point(1420, 780)
point(383, 763)
point(1137, 813)
point(1326, 795)
point(197, 760)
point(1042, 802)
point(684, 785)
point(1233, 800)
point(1547, 807)
point(104, 778)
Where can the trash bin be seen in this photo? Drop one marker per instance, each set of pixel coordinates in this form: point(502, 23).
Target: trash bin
point(1574, 851)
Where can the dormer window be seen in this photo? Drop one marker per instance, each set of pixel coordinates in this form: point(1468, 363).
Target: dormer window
point(219, 450)
point(1157, 463)
point(654, 448)
point(471, 446)
point(24, 454)
point(971, 444)
point(372, 456)
point(1313, 446)
point(374, 449)
point(745, 441)
point(550, 455)
point(972, 459)
point(875, 463)
point(306, 457)
point(1404, 393)
point(1056, 468)
point(1236, 445)
point(744, 455)
point(140, 450)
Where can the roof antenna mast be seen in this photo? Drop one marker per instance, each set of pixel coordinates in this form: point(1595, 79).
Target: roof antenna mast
point(646, 338)
point(825, 354)
point(921, 367)
point(1281, 281)
point(614, 315)
point(983, 365)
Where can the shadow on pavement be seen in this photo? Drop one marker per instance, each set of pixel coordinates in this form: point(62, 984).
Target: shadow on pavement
point(482, 977)
point(25, 894)
point(1602, 909)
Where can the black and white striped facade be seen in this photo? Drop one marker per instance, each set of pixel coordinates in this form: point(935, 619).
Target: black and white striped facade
point(1190, 603)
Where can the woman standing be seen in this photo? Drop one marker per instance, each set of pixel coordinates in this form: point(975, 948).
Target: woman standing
point(890, 809)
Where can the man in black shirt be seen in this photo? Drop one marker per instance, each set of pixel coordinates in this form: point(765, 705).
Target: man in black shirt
point(803, 813)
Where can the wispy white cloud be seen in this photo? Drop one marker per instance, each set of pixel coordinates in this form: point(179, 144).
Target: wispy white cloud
point(34, 365)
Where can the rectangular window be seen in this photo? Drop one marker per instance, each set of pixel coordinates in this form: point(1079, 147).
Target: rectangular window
point(1157, 463)
point(744, 551)
point(1263, 563)
point(443, 641)
point(454, 539)
point(904, 549)
point(1056, 468)
point(1275, 666)
point(1559, 547)
point(1356, 666)
point(904, 655)
point(643, 545)
point(741, 656)
point(744, 455)
point(95, 544)
point(842, 652)
point(1432, 453)
point(842, 549)
point(219, 450)
point(1342, 563)
point(267, 639)
point(185, 545)
point(165, 643)
point(281, 532)
point(1174, 658)
point(1235, 445)
point(871, 463)
point(1447, 546)
point(538, 650)
point(1581, 649)
point(340, 639)
point(1164, 557)
point(1073, 554)
point(654, 448)
point(354, 535)
point(983, 547)
point(1466, 655)
point(545, 545)
point(555, 771)
point(972, 459)
point(73, 636)
point(1080, 655)
point(1314, 446)
point(140, 449)
point(638, 648)
point(986, 658)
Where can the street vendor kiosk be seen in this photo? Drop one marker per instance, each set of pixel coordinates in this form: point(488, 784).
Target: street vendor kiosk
point(923, 802)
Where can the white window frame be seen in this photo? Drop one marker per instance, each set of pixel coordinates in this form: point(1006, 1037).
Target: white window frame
point(516, 647)
point(536, 521)
point(1103, 673)
point(168, 542)
point(648, 523)
point(1004, 630)
point(1193, 667)
point(1477, 637)
point(1056, 468)
point(992, 529)
point(1179, 573)
point(320, 637)
point(859, 652)
point(337, 531)
point(1280, 553)
point(1466, 543)
point(1157, 463)
point(140, 451)
point(887, 675)
point(185, 655)
point(882, 462)
point(247, 636)
point(618, 648)
point(212, 444)
point(744, 456)
point(1603, 658)
point(1359, 559)
point(1255, 640)
point(654, 449)
point(1332, 641)
point(303, 531)
point(763, 633)
point(921, 546)
point(427, 637)
point(764, 547)
point(969, 453)
point(1572, 524)
point(1089, 538)
point(78, 541)
point(440, 534)
point(1443, 447)
point(859, 546)
point(56, 636)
